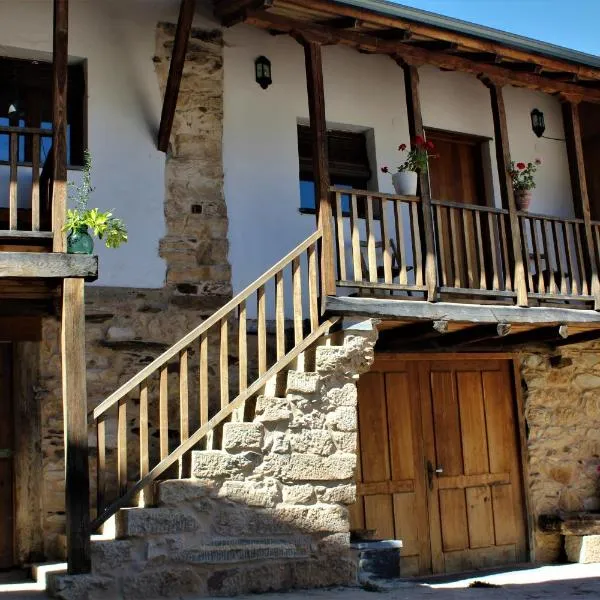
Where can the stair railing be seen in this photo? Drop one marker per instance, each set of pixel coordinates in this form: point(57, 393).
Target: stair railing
point(146, 399)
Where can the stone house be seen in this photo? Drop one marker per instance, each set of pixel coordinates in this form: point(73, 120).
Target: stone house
point(238, 391)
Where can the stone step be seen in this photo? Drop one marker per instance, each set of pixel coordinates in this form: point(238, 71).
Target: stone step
point(41, 571)
point(142, 522)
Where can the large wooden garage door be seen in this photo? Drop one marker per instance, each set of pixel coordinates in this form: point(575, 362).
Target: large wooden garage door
point(439, 463)
point(6, 460)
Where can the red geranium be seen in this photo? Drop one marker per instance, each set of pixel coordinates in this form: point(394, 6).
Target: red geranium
point(521, 166)
point(402, 147)
point(419, 141)
point(385, 169)
point(430, 146)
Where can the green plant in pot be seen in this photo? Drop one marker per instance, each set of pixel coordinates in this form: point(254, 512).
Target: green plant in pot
point(81, 219)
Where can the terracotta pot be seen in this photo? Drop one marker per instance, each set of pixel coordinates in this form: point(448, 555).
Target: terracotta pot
point(405, 183)
point(523, 199)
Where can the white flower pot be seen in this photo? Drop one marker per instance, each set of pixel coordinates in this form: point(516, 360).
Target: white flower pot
point(405, 183)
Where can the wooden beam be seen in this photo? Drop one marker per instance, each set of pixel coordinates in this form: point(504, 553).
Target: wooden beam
point(477, 44)
point(400, 35)
point(182, 35)
point(433, 45)
point(399, 337)
point(523, 67)
point(371, 43)
point(46, 265)
point(506, 189)
point(415, 128)
point(318, 132)
point(540, 335)
point(562, 76)
point(581, 200)
point(60, 65)
point(481, 57)
point(77, 485)
point(340, 23)
point(472, 335)
point(578, 338)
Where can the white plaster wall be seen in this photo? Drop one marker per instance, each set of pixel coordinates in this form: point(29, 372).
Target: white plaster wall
point(361, 91)
point(117, 41)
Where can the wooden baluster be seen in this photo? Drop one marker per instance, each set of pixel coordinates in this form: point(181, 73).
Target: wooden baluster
point(441, 245)
point(203, 385)
point(35, 182)
point(163, 409)
point(529, 277)
point(559, 257)
point(184, 412)
point(417, 248)
point(456, 250)
point(371, 254)
point(541, 288)
point(144, 442)
point(583, 275)
point(479, 244)
point(13, 191)
point(312, 288)
point(297, 299)
point(224, 363)
point(279, 315)
point(122, 446)
point(385, 242)
point(356, 257)
point(261, 330)
point(341, 246)
point(505, 256)
point(551, 283)
point(239, 413)
point(400, 243)
point(469, 246)
point(570, 258)
point(101, 466)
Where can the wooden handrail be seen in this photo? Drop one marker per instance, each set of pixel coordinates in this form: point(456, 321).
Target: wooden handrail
point(361, 193)
point(26, 130)
point(462, 206)
point(530, 215)
point(193, 335)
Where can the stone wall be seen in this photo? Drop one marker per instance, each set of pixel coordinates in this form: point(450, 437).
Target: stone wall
point(126, 328)
point(561, 393)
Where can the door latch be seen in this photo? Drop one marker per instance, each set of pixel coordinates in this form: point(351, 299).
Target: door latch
point(431, 472)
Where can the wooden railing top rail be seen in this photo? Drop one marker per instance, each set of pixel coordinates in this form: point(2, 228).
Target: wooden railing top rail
point(203, 327)
point(361, 193)
point(25, 130)
point(531, 215)
point(462, 206)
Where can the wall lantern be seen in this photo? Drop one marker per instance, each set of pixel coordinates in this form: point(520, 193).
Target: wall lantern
point(537, 122)
point(262, 69)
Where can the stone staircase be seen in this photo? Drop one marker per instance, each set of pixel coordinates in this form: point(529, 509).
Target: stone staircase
point(268, 511)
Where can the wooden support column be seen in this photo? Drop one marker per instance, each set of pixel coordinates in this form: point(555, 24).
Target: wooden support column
point(581, 202)
point(506, 188)
point(318, 130)
point(182, 35)
point(77, 491)
point(60, 63)
point(415, 128)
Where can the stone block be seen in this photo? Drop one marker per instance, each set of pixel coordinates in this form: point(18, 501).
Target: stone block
point(299, 494)
point(583, 548)
point(339, 494)
point(137, 522)
point(81, 587)
point(313, 441)
point(310, 467)
point(170, 582)
point(252, 493)
point(344, 418)
point(242, 436)
point(314, 519)
point(231, 550)
point(110, 555)
point(175, 492)
point(272, 410)
point(346, 395)
point(345, 441)
point(217, 464)
point(302, 383)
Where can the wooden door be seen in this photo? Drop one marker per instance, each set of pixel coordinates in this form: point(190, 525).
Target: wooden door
point(6, 460)
point(439, 463)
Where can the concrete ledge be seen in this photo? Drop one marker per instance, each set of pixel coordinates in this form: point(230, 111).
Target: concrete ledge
point(48, 265)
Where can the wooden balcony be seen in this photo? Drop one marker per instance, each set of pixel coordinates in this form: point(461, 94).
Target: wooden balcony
point(380, 252)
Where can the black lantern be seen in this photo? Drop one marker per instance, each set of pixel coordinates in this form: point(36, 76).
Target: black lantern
point(537, 122)
point(262, 69)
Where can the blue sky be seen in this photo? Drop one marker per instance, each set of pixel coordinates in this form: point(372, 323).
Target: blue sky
point(571, 23)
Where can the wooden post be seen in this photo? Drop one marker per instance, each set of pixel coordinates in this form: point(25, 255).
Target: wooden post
point(415, 128)
point(182, 35)
point(318, 129)
point(59, 122)
point(77, 501)
point(581, 202)
point(506, 188)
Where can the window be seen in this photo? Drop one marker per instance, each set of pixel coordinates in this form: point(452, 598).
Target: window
point(348, 164)
point(26, 101)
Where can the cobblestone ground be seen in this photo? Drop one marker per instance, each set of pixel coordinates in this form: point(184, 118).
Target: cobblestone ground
point(569, 582)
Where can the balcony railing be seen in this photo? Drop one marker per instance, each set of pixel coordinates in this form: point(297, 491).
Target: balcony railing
point(380, 250)
point(25, 183)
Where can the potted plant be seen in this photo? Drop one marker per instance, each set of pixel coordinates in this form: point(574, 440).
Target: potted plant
point(523, 181)
point(406, 178)
point(81, 218)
